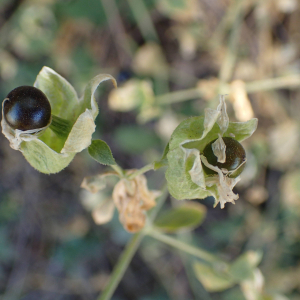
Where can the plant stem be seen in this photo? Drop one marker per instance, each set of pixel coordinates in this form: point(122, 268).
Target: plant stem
point(197, 252)
point(118, 169)
point(121, 266)
point(143, 20)
point(129, 252)
point(230, 57)
point(288, 82)
point(141, 171)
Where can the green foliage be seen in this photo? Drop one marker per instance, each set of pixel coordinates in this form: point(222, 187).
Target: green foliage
point(220, 276)
point(243, 267)
point(101, 152)
point(213, 279)
point(135, 139)
point(184, 217)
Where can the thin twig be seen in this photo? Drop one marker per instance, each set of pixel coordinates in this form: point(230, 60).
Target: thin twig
point(285, 82)
point(128, 254)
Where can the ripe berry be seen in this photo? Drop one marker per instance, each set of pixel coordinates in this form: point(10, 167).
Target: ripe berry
point(27, 108)
point(235, 156)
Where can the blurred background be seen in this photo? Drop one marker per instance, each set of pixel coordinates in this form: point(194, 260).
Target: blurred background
point(171, 59)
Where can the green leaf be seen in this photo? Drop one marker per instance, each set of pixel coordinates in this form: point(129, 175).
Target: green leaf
point(135, 139)
point(214, 279)
point(187, 216)
point(244, 266)
point(101, 152)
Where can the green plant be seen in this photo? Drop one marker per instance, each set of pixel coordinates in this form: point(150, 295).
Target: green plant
point(187, 157)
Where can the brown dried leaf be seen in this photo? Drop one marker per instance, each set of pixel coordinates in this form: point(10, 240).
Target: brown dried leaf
point(132, 198)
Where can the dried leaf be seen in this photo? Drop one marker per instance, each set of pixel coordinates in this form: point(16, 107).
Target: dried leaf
point(132, 198)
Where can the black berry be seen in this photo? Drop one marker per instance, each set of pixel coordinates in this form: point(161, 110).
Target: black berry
point(27, 108)
point(235, 156)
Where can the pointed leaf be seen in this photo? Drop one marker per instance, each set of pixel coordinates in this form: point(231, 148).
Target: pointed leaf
point(187, 216)
point(101, 152)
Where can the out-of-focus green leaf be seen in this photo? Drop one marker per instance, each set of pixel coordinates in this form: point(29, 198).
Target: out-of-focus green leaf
point(244, 266)
point(101, 152)
point(212, 279)
point(134, 139)
point(187, 216)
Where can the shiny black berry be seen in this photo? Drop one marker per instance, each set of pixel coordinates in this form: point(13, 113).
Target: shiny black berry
point(235, 156)
point(27, 108)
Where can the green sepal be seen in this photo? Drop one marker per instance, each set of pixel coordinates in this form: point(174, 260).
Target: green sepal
point(61, 127)
point(163, 161)
point(43, 158)
point(101, 152)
